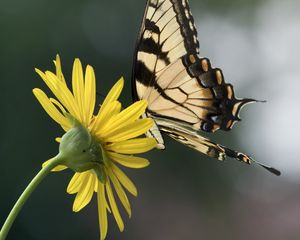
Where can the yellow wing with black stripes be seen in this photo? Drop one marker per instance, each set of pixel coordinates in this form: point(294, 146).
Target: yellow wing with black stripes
point(183, 90)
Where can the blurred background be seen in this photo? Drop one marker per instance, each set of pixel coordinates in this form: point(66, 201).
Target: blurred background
point(183, 194)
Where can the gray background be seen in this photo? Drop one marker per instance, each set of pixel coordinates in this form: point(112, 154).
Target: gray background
point(183, 194)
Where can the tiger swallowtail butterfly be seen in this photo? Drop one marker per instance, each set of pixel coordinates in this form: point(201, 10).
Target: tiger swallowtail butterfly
point(185, 93)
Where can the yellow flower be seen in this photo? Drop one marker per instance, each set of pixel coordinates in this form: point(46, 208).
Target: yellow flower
point(111, 132)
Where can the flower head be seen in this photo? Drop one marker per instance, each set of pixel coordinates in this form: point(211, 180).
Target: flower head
point(94, 144)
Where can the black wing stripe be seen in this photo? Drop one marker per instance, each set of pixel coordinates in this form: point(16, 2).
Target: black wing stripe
point(190, 35)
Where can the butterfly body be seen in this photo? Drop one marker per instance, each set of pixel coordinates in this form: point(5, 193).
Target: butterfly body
point(185, 94)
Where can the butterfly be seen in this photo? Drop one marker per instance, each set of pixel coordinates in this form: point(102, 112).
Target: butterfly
point(185, 94)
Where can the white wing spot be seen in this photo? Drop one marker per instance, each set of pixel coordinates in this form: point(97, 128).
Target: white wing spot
point(187, 14)
point(195, 39)
point(191, 26)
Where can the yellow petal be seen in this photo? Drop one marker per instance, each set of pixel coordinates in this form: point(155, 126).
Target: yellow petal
point(75, 183)
point(129, 115)
point(96, 190)
point(58, 105)
point(102, 118)
point(59, 73)
point(102, 211)
point(129, 161)
point(124, 180)
point(132, 146)
point(78, 85)
point(114, 207)
point(85, 193)
point(57, 168)
point(89, 94)
point(63, 94)
point(113, 94)
point(120, 192)
point(129, 131)
point(52, 111)
point(59, 88)
point(97, 182)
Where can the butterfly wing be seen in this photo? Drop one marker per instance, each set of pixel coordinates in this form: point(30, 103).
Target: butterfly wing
point(181, 87)
point(161, 41)
point(165, 36)
point(175, 81)
point(190, 137)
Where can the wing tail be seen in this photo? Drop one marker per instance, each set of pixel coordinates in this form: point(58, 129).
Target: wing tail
point(191, 138)
point(247, 159)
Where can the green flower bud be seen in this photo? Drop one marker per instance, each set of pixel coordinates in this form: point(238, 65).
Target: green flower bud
point(80, 151)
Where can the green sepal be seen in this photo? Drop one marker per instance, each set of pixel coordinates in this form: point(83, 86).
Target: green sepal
point(78, 149)
point(101, 173)
point(72, 120)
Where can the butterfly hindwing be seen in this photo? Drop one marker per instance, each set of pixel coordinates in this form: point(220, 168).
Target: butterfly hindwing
point(191, 138)
point(189, 90)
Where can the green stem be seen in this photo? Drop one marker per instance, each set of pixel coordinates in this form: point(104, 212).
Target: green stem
point(25, 195)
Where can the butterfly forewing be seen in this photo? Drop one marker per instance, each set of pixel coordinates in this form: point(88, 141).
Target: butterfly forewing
point(167, 33)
